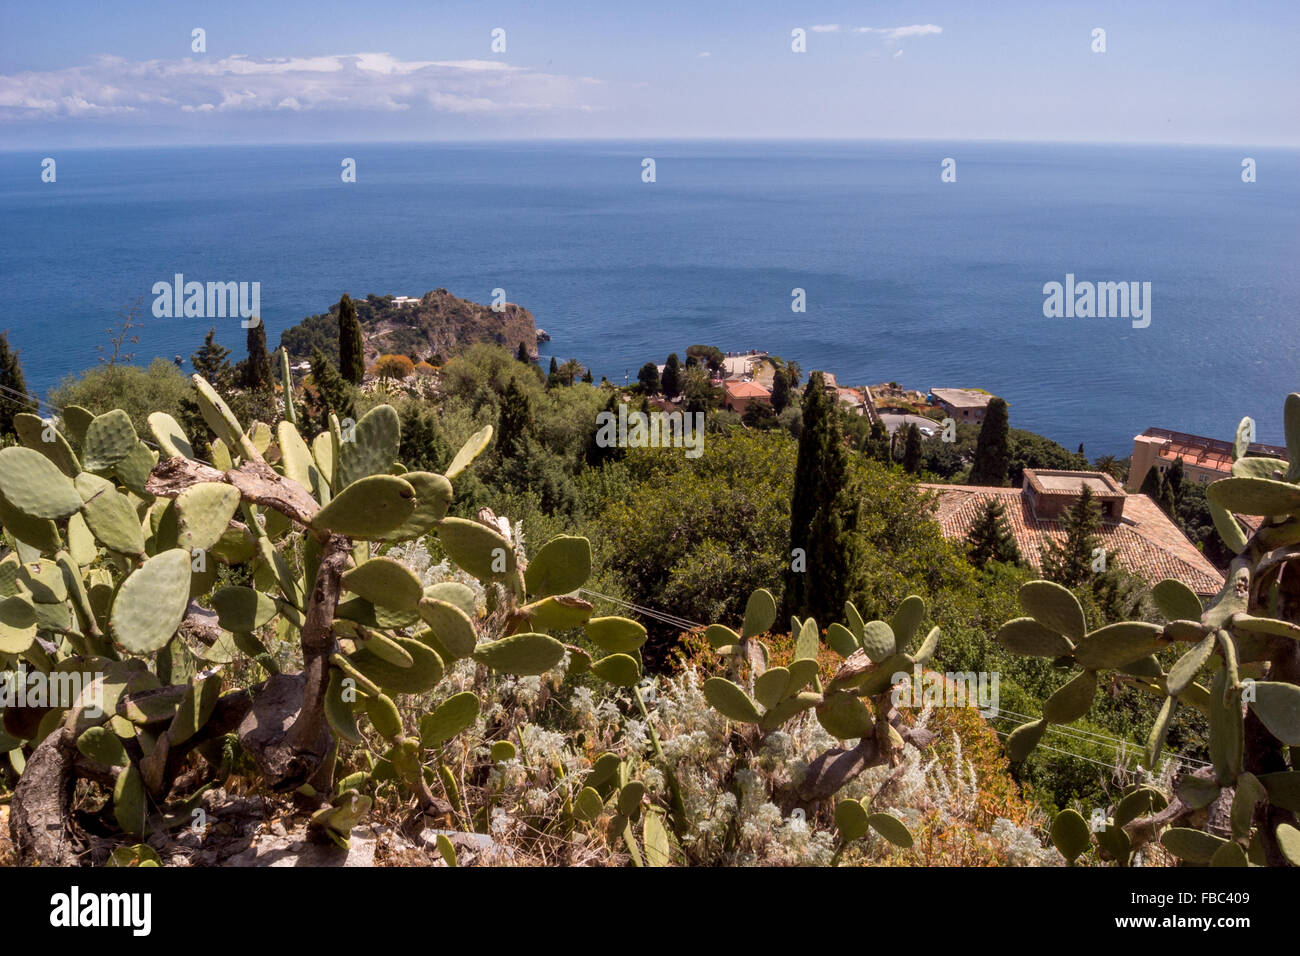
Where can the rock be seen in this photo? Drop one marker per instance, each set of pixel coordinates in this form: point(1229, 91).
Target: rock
point(294, 850)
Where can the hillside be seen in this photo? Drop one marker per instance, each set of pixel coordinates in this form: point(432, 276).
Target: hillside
point(439, 323)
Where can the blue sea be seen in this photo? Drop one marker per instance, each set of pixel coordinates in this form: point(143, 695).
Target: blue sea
point(906, 278)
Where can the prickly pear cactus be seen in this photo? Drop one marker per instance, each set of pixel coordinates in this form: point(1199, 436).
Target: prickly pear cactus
point(1237, 661)
point(115, 544)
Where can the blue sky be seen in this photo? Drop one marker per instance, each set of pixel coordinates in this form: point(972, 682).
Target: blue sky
point(123, 73)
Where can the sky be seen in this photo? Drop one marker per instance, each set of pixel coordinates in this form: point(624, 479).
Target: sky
point(87, 73)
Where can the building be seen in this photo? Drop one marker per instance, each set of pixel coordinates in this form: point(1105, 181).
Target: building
point(738, 396)
point(400, 300)
point(1135, 532)
point(1204, 459)
point(962, 404)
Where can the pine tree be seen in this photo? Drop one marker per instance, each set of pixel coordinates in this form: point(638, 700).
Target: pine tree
point(352, 356)
point(212, 361)
point(780, 391)
point(912, 450)
point(992, 448)
point(13, 387)
point(1152, 484)
point(514, 422)
point(823, 513)
point(1069, 562)
point(596, 453)
point(990, 537)
point(878, 442)
point(586, 376)
point(553, 376)
point(258, 372)
point(671, 381)
point(1171, 493)
point(649, 378)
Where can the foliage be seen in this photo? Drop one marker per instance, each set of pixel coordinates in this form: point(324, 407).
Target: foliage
point(990, 537)
point(352, 358)
point(13, 387)
point(992, 453)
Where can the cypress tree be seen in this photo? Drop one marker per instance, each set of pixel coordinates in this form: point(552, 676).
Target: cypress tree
point(522, 354)
point(257, 368)
point(553, 376)
point(671, 381)
point(586, 376)
point(334, 390)
point(780, 391)
point(990, 537)
point(912, 450)
point(1152, 484)
point(211, 361)
point(1069, 562)
point(352, 357)
point(11, 377)
point(649, 378)
point(823, 512)
point(514, 422)
point(992, 448)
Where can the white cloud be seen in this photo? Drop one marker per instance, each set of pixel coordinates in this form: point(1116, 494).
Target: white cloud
point(894, 34)
point(377, 82)
point(826, 28)
point(704, 53)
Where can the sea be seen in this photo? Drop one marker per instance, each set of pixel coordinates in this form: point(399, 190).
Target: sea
point(922, 263)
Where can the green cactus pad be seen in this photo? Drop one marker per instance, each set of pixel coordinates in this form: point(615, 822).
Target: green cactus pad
point(1277, 705)
point(1227, 729)
point(243, 609)
point(719, 635)
point(376, 439)
point(387, 649)
point(587, 805)
point(476, 548)
point(385, 581)
point(203, 513)
point(851, 820)
point(1186, 667)
point(616, 635)
point(33, 484)
point(195, 709)
point(618, 669)
point(1054, 607)
point(1176, 601)
point(906, 622)
point(878, 640)
point(217, 414)
point(1195, 846)
point(453, 592)
point(451, 625)
point(854, 620)
point(1071, 701)
point(171, 438)
point(448, 719)
point(1022, 741)
point(151, 602)
point(771, 685)
point(760, 613)
point(102, 746)
point(384, 716)
point(1159, 730)
point(109, 438)
point(432, 498)
point(369, 508)
point(928, 646)
point(469, 451)
point(1254, 496)
point(502, 751)
point(17, 625)
point(424, 673)
point(845, 716)
point(322, 450)
point(33, 431)
point(129, 802)
point(562, 565)
point(297, 461)
point(76, 420)
point(338, 712)
point(630, 798)
point(808, 644)
point(891, 828)
point(110, 516)
point(788, 708)
point(521, 654)
point(39, 534)
point(841, 640)
point(134, 470)
point(730, 700)
point(1070, 835)
point(1118, 644)
point(557, 613)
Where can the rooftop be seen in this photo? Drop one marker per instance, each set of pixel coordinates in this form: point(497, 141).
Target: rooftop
point(962, 397)
point(1145, 541)
point(1212, 453)
point(746, 390)
point(1072, 483)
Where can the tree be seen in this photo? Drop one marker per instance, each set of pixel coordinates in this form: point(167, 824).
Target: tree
point(878, 445)
point(992, 454)
point(823, 513)
point(912, 450)
point(514, 422)
point(671, 382)
point(586, 376)
point(553, 376)
point(13, 387)
point(522, 354)
point(990, 537)
point(352, 359)
point(780, 391)
point(1152, 484)
point(1069, 562)
point(393, 366)
point(258, 372)
point(649, 378)
point(569, 371)
point(212, 361)
point(335, 392)
point(698, 391)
